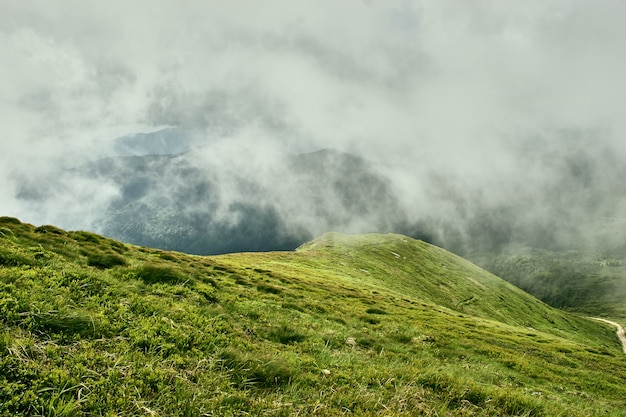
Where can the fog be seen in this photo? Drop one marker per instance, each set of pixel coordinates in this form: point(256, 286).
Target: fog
point(502, 119)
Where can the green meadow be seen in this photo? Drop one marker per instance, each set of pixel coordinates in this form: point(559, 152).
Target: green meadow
point(365, 325)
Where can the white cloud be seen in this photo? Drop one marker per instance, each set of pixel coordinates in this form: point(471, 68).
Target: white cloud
point(415, 86)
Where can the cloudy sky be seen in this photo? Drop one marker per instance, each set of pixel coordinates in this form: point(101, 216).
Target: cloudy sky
point(488, 94)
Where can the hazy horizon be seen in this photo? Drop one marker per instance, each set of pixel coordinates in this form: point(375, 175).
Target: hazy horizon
point(474, 115)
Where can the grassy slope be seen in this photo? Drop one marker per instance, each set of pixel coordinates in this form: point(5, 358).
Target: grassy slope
point(590, 283)
point(369, 325)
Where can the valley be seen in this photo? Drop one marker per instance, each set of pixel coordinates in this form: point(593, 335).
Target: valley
point(590, 282)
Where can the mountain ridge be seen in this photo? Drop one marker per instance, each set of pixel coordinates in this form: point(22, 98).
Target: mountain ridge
point(429, 273)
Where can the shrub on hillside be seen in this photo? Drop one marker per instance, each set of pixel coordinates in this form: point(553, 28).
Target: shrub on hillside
point(118, 247)
point(167, 256)
point(207, 292)
point(12, 258)
point(85, 237)
point(9, 220)
point(269, 289)
point(50, 229)
point(64, 325)
point(370, 320)
point(153, 274)
point(286, 335)
point(105, 260)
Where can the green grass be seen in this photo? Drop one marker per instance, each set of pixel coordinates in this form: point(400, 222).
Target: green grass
point(346, 325)
point(586, 282)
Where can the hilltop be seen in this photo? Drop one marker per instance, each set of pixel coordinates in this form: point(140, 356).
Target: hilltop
point(362, 325)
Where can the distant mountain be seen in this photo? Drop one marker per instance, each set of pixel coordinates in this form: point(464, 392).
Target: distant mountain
point(168, 141)
point(175, 202)
point(184, 190)
point(361, 324)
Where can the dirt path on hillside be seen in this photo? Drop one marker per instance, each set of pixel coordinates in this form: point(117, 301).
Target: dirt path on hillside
point(620, 331)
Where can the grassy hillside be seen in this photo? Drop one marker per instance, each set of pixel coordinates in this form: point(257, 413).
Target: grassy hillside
point(362, 325)
point(584, 281)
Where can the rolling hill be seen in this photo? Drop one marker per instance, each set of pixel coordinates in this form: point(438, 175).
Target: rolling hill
point(363, 325)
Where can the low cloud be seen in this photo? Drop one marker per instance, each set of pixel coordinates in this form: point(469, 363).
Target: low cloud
point(492, 118)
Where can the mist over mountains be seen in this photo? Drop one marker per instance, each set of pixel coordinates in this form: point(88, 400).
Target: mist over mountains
point(210, 128)
point(178, 202)
point(190, 203)
point(288, 199)
point(212, 199)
